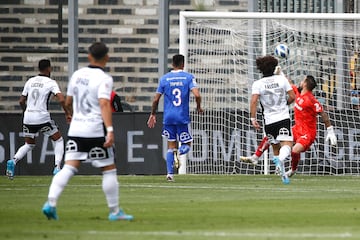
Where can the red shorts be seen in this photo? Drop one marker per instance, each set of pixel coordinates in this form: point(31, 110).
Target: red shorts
point(304, 137)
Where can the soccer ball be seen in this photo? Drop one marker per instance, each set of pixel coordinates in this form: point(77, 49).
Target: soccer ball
point(282, 51)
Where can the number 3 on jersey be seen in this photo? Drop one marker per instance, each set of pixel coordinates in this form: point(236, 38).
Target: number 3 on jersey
point(177, 94)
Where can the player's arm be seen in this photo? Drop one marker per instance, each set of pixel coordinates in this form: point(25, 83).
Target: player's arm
point(291, 97)
point(325, 118)
point(69, 108)
point(253, 108)
point(330, 133)
point(106, 114)
point(196, 93)
point(22, 102)
point(152, 118)
point(61, 99)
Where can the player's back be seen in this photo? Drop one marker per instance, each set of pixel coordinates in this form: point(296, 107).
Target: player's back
point(38, 91)
point(273, 91)
point(176, 87)
point(86, 86)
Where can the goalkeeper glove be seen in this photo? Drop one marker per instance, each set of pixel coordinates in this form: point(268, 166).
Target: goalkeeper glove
point(278, 71)
point(330, 135)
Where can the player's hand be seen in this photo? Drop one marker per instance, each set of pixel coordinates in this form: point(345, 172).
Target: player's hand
point(278, 71)
point(330, 135)
point(68, 118)
point(109, 140)
point(200, 110)
point(152, 121)
point(255, 124)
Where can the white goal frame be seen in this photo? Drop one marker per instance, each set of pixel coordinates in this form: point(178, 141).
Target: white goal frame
point(183, 44)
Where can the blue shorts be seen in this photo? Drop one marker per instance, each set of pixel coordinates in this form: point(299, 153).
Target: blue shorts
point(179, 133)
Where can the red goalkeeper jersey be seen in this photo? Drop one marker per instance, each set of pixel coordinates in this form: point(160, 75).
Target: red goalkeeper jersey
point(306, 109)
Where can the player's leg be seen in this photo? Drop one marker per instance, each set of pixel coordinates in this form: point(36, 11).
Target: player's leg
point(303, 141)
point(170, 158)
point(169, 131)
point(286, 140)
point(21, 152)
point(57, 186)
point(297, 149)
point(185, 138)
point(284, 153)
point(51, 130)
point(104, 159)
point(24, 149)
point(110, 186)
point(276, 150)
point(75, 152)
point(58, 143)
point(262, 147)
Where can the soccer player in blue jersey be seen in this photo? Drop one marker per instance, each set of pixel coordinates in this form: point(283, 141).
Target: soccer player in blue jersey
point(176, 86)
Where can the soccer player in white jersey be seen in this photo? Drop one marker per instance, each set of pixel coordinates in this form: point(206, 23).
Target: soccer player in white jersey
point(91, 134)
point(275, 94)
point(34, 101)
point(176, 86)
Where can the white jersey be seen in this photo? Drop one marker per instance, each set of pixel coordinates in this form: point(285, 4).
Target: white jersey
point(87, 85)
point(37, 91)
point(273, 97)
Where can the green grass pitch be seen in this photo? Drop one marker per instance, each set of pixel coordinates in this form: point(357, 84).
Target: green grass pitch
point(193, 207)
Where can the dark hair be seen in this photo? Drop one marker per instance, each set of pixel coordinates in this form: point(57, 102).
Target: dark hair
point(310, 82)
point(98, 50)
point(44, 64)
point(178, 60)
point(266, 65)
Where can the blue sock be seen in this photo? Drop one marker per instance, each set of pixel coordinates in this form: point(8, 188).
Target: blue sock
point(170, 161)
point(184, 148)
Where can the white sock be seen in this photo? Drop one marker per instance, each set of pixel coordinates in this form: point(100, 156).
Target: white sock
point(110, 187)
point(284, 152)
point(58, 150)
point(59, 182)
point(22, 151)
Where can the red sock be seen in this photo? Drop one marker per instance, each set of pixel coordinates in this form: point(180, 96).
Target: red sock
point(295, 158)
point(263, 146)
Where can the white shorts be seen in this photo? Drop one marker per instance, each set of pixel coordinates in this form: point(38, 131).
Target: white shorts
point(32, 131)
point(78, 148)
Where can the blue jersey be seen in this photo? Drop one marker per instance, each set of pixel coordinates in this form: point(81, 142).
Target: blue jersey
point(176, 87)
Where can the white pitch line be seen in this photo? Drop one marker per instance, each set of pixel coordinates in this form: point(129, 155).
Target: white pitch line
point(280, 189)
point(218, 235)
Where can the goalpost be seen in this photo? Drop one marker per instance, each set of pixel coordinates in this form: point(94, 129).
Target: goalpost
point(221, 49)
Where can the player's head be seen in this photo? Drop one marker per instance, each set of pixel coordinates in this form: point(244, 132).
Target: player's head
point(178, 61)
point(309, 82)
point(45, 67)
point(98, 51)
point(266, 65)
point(44, 64)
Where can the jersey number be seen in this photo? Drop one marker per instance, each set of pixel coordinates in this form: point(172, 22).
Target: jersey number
point(35, 94)
point(177, 94)
point(81, 103)
point(274, 98)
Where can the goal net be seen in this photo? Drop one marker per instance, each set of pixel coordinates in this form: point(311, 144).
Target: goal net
point(221, 49)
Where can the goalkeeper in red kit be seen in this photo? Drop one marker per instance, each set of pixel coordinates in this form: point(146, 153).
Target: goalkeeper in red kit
point(306, 109)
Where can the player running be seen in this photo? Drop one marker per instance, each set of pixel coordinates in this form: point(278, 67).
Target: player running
point(176, 87)
point(306, 109)
point(275, 94)
point(34, 101)
point(91, 134)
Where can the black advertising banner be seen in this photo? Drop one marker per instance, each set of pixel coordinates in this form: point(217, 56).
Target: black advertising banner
point(140, 150)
